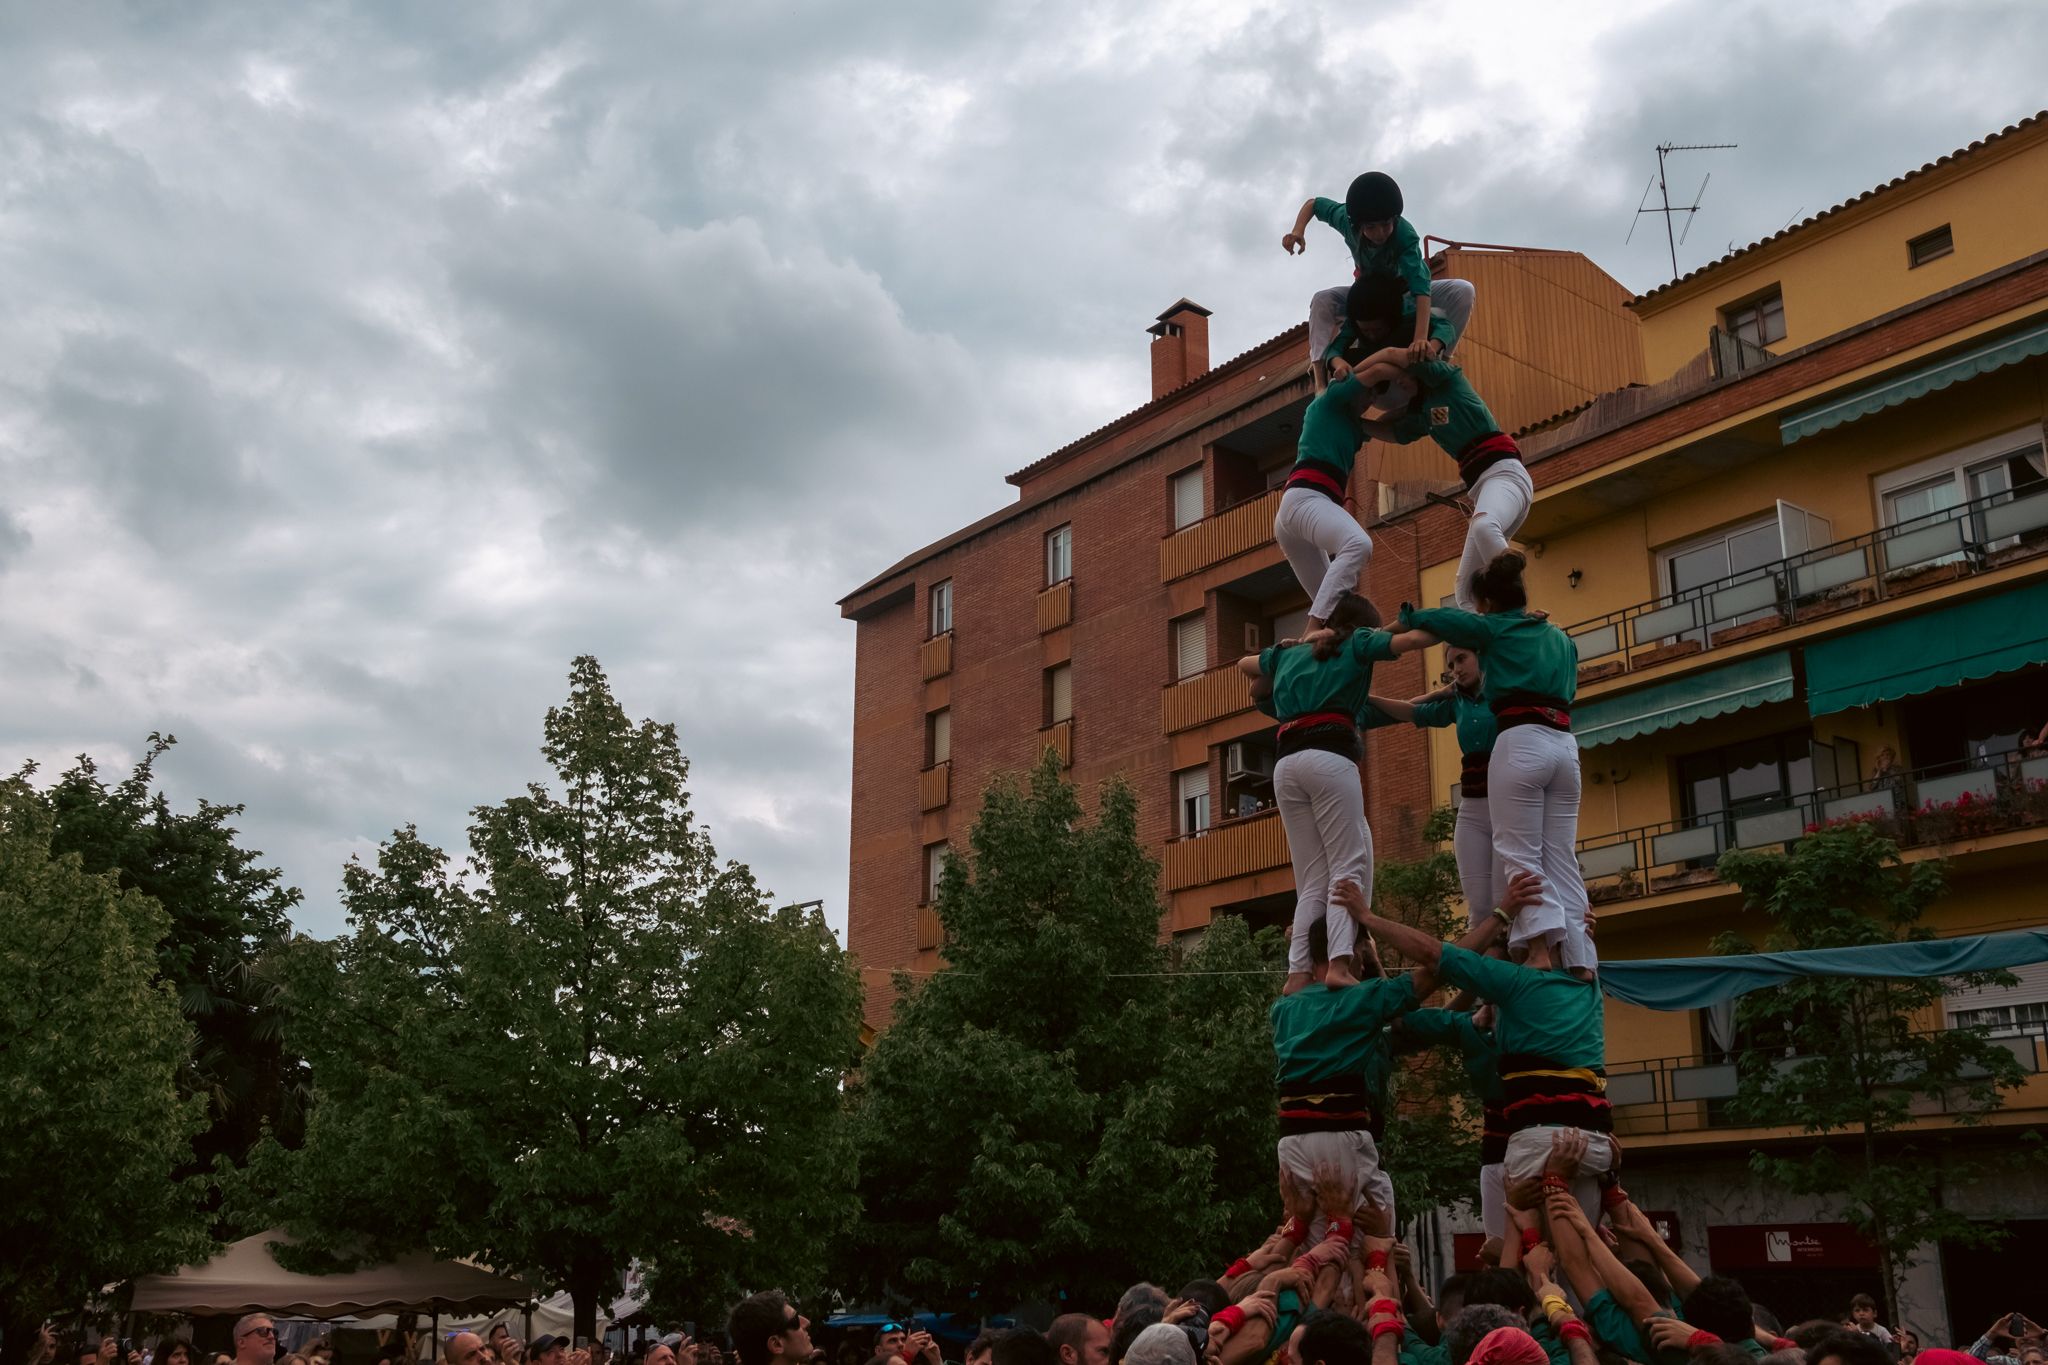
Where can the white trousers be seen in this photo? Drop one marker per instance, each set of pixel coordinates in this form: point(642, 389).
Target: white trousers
point(1353, 1153)
point(1322, 808)
point(1479, 869)
point(1529, 1149)
point(1493, 1199)
point(1324, 544)
point(1500, 504)
point(1532, 798)
point(1447, 299)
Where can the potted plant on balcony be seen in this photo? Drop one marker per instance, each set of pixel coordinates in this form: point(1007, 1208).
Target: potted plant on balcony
point(1966, 817)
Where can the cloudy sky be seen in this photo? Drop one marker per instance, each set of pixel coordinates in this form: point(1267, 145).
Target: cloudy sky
point(362, 364)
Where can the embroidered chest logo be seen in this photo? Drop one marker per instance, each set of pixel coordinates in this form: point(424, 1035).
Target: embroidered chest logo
point(1440, 416)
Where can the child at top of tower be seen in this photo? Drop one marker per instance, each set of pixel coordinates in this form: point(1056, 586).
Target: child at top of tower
point(1382, 244)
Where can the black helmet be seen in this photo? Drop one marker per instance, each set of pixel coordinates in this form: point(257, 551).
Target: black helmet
point(1373, 198)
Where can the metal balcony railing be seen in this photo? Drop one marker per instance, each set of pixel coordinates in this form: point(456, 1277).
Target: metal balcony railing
point(1940, 804)
point(1692, 1094)
point(1952, 543)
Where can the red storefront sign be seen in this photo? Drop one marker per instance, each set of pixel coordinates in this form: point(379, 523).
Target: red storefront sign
point(1763, 1246)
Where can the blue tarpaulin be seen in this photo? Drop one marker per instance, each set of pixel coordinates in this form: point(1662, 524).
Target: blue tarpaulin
point(1691, 983)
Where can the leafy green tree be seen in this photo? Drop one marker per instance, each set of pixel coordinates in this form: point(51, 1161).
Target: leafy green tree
point(91, 1044)
point(225, 911)
point(1067, 1108)
point(1848, 1058)
point(1431, 1146)
point(596, 1044)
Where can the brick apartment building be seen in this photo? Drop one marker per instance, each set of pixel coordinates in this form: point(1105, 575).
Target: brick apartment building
point(1099, 613)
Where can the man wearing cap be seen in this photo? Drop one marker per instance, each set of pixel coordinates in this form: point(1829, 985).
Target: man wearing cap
point(548, 1349)
point(255, 1339)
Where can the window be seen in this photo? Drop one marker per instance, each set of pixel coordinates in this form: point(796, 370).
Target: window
point(1930, 246)
point(2008, 1011)
point(1723, 785)
point(936, 856)
point(1191, 798)
point(1290, 625)
point(938, 738)
point(1983, 474)
point(942, 606)
point(1701, 568)
point(1186, 489)
point(1059, 694)
point(1059, 555)
point(1190, 647)
point(1760, 322)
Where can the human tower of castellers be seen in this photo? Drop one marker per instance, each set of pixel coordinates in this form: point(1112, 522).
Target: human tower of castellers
point(1527, 1015)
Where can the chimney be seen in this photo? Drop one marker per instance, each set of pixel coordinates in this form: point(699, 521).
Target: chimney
point(1180, 346)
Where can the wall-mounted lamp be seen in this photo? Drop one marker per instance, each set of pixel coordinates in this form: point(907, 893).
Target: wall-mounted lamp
point(1574, 576)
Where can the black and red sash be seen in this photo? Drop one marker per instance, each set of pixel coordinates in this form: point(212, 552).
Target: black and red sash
point(1472, 776)
point(1531, 708)
point(1323, 478)
point(1339, 1104)
point(1484, 453)
point(1333, 732)
point(1540, 1092)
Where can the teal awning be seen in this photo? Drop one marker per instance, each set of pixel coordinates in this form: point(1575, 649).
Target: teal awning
point(1715, 692)
point(1972, 639)
point(1918, 382)
point(1693, 983)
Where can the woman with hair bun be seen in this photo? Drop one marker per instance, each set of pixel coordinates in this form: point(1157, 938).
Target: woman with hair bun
point(1531, 671)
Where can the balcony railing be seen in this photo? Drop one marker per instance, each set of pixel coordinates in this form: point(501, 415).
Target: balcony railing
point(1212, 540)
point(1059, 737)
point(1056, 606)
point(1197, 700)
point(1691, 1094)
point(1916, 808)
point(935, 786)
point(1234, 848)
point(935, 656)
point(1955, 542)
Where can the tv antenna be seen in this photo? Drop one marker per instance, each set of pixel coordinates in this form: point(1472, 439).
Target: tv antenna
point(1659, 183)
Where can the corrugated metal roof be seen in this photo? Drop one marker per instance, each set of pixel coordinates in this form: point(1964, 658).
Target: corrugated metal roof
point(1958, 154)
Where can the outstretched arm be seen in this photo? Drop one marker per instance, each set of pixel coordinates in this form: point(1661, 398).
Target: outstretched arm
point(1523, 889)
point(1249, 666)
point(1408, 641)
point(1294, 243)
point(1630, 1222)
point(1395, 708)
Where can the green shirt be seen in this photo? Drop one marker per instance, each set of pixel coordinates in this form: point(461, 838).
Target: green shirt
point(1536, 1013)
point(1416, 1351)
point(1304, 684)
point(1612, 1324)
point(1333, 427)
point(1320, 1033)
point(1468, 712)
point(1474, 1044)
point(1447, 409)
point(1518, 652)
point(1552, 1344)
point(1400, 255)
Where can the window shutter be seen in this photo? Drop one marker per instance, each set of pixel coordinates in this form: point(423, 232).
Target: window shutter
point(1190, 648)
point(1187, 498)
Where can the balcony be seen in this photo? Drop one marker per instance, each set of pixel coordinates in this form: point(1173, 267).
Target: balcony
point(1920, 808)
point(1675, 1095)
point(1956, 542)
point(930, 934)
point(1212, 540)
point(1056, 606)
point(935, 786)
point(1234, 848)
point(1221, 691)
point(935, 656)
point(1059, 737)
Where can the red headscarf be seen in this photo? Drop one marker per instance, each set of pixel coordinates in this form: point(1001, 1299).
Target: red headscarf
point(1508, 1346)
point(1940, 1355)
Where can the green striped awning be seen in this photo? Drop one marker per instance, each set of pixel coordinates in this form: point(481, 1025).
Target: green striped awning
point(1972, 639)
point(1923, 379)
point(1716, 692)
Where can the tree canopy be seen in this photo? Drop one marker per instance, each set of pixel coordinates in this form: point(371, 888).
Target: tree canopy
point(1858, 1058)
point(91, 1045)
point(593, 1043)
point(1069, 1106)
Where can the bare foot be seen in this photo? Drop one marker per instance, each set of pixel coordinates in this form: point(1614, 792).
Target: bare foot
point(1340, 973)
point(1295, 981)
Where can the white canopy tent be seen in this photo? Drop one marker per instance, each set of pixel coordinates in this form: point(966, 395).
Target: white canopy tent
point(246, 1278)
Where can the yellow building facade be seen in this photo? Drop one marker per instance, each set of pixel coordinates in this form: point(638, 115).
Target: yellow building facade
point(1806, 567)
